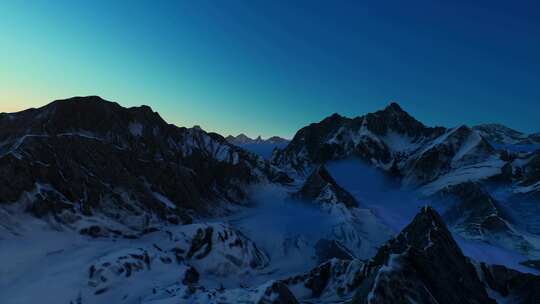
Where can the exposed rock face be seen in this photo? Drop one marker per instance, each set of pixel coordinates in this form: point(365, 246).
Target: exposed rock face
point(331, 249)
point(474, 201)
point(333, 281)
point(475, 214)
point(321, 187)
point(423, 264)
point(87, 156)
point(277, 293)
point(529, 181)
point(273, 292)
point(531, 263)
point(354, 232)
point(475, 210)
point(521, 288)
point(535, 137)
point(227, 249)
point(117, 266)
point(456, 148)
point(194, 250)
point(531, 173)
point(499, 134)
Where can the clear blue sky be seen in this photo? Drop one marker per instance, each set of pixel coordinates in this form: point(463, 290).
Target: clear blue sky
point(271, 67)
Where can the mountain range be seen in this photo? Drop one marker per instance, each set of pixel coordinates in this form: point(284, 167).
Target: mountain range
point(242, 139)
point(259, 146)
point(115, 205)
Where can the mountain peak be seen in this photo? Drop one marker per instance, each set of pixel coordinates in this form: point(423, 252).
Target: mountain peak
point(428, 217)
point(393, 107)
point(89, 98)
point(82, 101)
point(426, 232)
point(394, 118)
point(424, 263)
point(428, 214)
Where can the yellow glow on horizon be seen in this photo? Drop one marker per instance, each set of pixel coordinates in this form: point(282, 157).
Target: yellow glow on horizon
point(11, 101)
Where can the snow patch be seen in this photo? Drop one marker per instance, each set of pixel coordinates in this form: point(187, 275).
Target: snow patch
point(136, 128)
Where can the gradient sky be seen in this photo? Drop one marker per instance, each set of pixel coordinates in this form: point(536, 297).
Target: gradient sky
point(271, 67)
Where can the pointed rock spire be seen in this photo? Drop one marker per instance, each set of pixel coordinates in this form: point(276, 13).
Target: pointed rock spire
point(321, 186)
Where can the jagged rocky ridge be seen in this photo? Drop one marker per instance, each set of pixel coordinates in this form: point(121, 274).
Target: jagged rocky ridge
point(242, 139)
point(259, 146)
point(87, 157)
point(527, 172)
point(321, 187)
point(500, 134)
point(475, 214)
point(423, 264)
point(394, 141)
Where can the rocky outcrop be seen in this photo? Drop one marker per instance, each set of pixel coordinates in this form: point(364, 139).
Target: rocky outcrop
point(193, 250)
point(227, 247)
point(334, 281)
point(423, 264)
point(321, 187)
point(277, 293)
point(500, 134)
point(331, 249)
point(532, 264)
point(475, 214)
point(528, 180)
point(472, 209)
point(506, 137)
point(456, 148)
point(521, 288)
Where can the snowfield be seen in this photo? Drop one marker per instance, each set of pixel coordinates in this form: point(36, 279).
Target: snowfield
point(235, 257)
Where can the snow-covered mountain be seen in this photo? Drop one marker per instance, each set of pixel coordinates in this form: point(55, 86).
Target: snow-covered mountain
point(500, 134)
point(450, 165)
point(394, 141)
point(422, 264)
point(89, 162)
point(474, 213)
point(426, 158)
point(114, 205)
